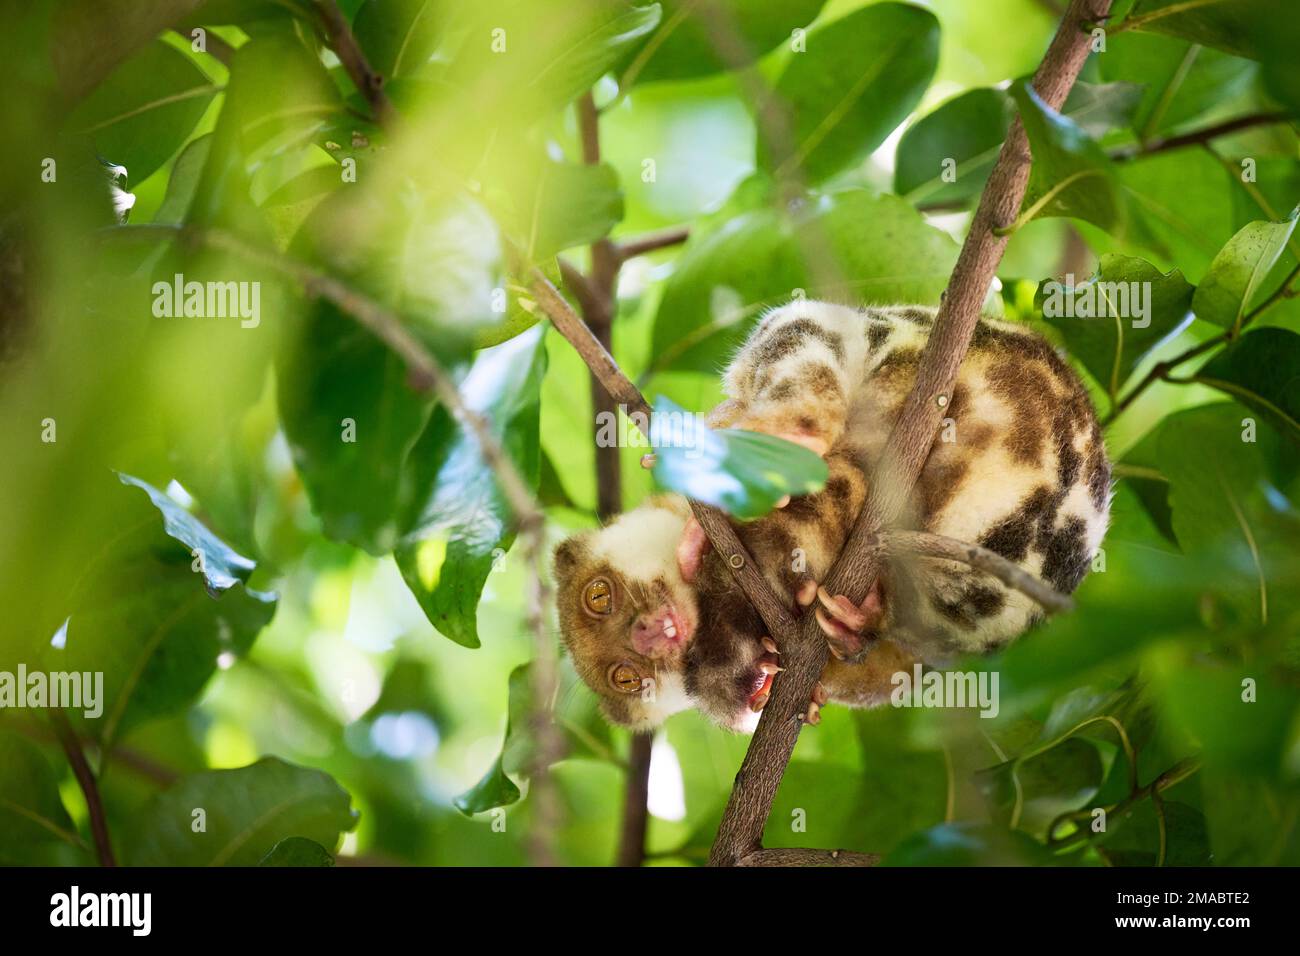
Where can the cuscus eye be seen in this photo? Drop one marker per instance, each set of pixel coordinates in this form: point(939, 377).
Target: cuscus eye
point(598, 597)
point(623, 677)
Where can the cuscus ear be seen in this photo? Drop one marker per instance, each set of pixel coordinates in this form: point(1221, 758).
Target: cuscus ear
point(569, 553)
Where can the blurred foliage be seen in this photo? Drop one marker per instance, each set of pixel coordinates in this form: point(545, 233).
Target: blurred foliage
point(296, 572)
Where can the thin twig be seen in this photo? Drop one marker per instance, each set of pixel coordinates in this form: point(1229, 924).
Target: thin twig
point(652, 242)
point(1198, 136)
point(798, 856)
point(89, 787)
point(340, 39)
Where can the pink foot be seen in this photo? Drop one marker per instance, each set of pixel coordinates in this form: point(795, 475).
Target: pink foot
point(849, 627)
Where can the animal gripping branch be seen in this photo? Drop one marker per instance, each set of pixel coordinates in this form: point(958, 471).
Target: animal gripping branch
point(740, 833)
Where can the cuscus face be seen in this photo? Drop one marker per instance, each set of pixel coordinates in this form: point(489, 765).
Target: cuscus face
point(626, 613)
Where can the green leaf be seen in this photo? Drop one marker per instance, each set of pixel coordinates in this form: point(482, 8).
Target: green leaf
point(744, 473)
point(297, 851)
point(685, 44)
point(34, 825)
point(576, 719)
point(145, 110)
point(882, 247)
point(968, 844)
point(494, 790)
point(1136, 838)
point(399, 36)
point(521, 60)
point(246, 813)
point(1237, 272)
point(1119, 315)
point(1216, 495)
point(184, 181)
point(561, 205)
point(458, 524)
point(1180, 81)
point(860, 77)
point(156, 606)
point(1231, 25)
point(221, 567)
point(279, 94)
point(1071, 175)
point(1034, 792)
point(351, 419)
point(1262, 371)
point(969, 130)
point(350, 414)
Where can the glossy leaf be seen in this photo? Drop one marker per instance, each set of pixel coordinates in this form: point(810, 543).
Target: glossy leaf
point(744, 473)
point(881, 252)
point(154, 610)
point(967, 844)
point(969, 130)
point(145, 110)
point(1119, 315)
point(1071, 175)
point(685, 46)
point(1262, 371)
point(399, 36)
point(458, 525)
point(297, 851)
point(859, 79)
point(1228, 290)
point(246, 814)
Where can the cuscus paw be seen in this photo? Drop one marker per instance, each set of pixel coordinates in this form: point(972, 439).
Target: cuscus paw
point(768, 666)
point(814, 713)
point(849, 627)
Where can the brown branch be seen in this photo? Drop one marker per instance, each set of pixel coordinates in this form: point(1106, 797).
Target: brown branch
point(636, 815)
point(89, 787)
point(740, 833)
point(340, 39)
point(598, 311)
point(1012, 575)
point(716, 525)
point(792, 856)
point(1198, 136)
point(652, 242)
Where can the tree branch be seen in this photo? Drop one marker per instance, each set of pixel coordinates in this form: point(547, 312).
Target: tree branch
point(791, 856)
point(636, 815)
point(716, 526)
point(86, 780)
point(340, 39)
point(652, 242)
point(1198, 136)
point(740, 833)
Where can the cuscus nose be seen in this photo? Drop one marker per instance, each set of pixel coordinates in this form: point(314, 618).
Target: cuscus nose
point(657, 633)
